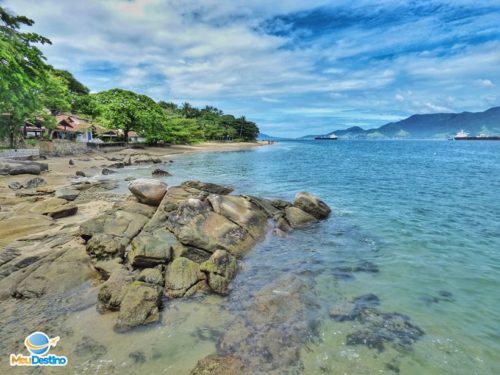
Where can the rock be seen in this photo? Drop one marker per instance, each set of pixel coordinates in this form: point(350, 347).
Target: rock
point(137, 356)
point(54, 207)
point(109, 234)
point(195, 225)
point(15, 185)
point(280, 204)
point(151, 276)
point(80, 174)
point(117, 165)
point(16, 167)
point(240, 211)
point(183, 278)
point(220, 268)
point(312, 205)
point(283, 225)
point(35, 182)
point(71, 162)
point(144, 159)
point(45, 190)
point(148, 191)
point(113, 290)
point(160, 173)
point(193, 253)
point(219, 365)
point(298, 218)
point(140, 305)
point(25, 169)
point(266, 206)
point(107, 171)
point(129, 178)
point(149, 249)
point(68, 194)
point(208, 187)
point(351, 310)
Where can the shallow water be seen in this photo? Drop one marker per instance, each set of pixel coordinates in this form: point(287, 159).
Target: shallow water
point(417, 223)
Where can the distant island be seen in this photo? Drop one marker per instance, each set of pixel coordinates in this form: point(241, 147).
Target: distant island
point(428, 126)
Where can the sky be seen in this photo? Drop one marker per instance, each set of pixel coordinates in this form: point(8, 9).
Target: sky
point(294, 67)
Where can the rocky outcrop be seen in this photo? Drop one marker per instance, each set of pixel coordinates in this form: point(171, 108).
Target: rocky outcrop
point(208, 187)
point(68, 194)
point(298, 218)
point(148, 191)
point(142, 159)
point(54, 207)
point(151, 248)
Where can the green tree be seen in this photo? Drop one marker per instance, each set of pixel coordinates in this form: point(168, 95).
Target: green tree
point(126, 110)
point(22, 73)
point(55, 94)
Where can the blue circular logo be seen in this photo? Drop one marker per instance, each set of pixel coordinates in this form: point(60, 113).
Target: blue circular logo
point(37, 343)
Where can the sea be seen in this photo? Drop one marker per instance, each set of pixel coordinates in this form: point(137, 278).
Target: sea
point(414, 238)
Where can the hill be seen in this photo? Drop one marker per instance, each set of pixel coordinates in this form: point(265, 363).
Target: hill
point(429, 126)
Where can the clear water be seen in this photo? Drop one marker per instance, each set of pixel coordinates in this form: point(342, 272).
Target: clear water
point(426, 213)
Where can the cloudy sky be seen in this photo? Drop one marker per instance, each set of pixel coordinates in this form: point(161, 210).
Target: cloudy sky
point(295, 67)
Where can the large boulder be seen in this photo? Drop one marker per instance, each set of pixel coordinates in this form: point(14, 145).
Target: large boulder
point(240, 211)
point(142, 159)
point(183, 278)
point(312, 205)
point(219, 365)
point(148, 191)
point(298, 218)
point(195, 225)
point(140, 305)
point(220, 268)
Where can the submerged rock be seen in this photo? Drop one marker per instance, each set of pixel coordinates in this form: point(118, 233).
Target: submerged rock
point(160, 173)
point(312, 205)
point(219, 365)
point(90, 349)
point(107, 171)
point(148, 191)
point(351, 310)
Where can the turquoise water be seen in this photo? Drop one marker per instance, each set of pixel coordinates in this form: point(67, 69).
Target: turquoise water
point(425, 213)
point(414, 223)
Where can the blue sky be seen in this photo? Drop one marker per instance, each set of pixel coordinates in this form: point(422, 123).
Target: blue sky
point(295, 67)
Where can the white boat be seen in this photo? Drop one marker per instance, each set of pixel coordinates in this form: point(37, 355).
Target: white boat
point(331, 137)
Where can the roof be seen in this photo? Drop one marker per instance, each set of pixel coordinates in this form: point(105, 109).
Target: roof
point(75, 124)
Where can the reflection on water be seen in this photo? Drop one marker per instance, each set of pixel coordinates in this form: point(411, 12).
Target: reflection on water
point(415, 230)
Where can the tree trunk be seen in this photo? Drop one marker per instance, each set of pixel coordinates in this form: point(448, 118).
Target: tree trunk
point(126, 136)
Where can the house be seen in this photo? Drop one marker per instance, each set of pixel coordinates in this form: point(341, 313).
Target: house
point(118, 135)
point(31, 130)
point(74, 128)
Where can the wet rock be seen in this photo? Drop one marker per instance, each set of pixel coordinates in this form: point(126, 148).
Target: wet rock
point(151, 276)
point(89, 349)
point(35, 182)
point(148, 191)
point(15, 185)
point(80, 174)
point(160, 173)
point(219, 365)
point(195, 254)
point(283, 225)
point(280, 204)
point(266, 206)
point(130, 178)
point(107, 171)
point(117, 165)
point(113, 290)
point(298, 218)
point(140, 305)
point(220, 268)
point(68, 194)
point(137, 356)
point(183, 278)
point(151, 248)
point(208, 187)
point(312, 205)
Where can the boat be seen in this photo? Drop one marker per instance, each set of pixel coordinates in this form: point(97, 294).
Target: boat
point(331, 137)
point(464, 136)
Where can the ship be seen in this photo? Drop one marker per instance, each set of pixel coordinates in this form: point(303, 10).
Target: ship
point(331, 137)
point(464, 136)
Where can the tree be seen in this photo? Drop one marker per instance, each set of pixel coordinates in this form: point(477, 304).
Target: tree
point(22, 73)
point(126, 110)
point(55, 94)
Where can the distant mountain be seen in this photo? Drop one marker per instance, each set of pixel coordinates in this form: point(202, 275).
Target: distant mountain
point(266, 137)
point(430, 126)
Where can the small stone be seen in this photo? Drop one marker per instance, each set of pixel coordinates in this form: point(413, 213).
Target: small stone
point(71, 162)
point(80, 174)
point(107, 171)
point(160, 173)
